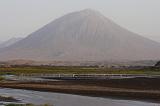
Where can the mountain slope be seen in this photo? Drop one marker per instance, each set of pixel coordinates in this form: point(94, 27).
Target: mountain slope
point(10, 42)
point(82, 36)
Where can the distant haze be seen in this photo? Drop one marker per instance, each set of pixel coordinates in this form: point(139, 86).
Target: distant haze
point(19, 18)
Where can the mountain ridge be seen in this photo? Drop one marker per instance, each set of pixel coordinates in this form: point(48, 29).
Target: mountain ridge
point(10, 42)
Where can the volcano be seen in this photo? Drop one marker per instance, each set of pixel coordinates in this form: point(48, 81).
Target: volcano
point(85, 35)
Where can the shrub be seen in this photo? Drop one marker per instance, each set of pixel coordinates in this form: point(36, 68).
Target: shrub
point(1, 78)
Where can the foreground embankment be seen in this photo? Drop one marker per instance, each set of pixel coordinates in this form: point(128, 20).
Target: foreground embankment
point(134, 88)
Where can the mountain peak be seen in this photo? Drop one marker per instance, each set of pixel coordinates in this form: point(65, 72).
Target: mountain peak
point(90, 11)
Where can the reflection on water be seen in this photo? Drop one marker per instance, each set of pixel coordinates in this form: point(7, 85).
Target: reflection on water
point(57, 99)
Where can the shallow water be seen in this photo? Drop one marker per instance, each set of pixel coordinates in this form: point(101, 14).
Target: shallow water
point(58, 99)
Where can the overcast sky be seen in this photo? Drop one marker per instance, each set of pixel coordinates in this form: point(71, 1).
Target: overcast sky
point(18, 18)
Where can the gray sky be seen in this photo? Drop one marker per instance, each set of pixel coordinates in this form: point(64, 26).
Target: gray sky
point(19, 18)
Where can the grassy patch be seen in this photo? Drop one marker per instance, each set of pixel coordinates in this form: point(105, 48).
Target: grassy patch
point(75, 70)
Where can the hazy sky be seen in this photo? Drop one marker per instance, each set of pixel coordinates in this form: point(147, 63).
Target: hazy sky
point(21, 17)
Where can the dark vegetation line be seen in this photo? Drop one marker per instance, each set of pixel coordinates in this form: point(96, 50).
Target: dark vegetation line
point(77, 70)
